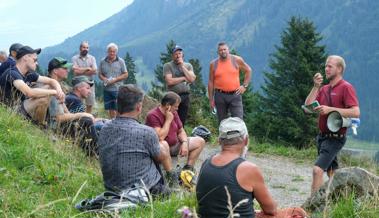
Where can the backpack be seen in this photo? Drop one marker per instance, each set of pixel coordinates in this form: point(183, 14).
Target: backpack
point(112, 201)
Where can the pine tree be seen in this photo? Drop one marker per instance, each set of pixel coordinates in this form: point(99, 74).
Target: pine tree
point(131, 68)
point(278, 115)
point(158, 85)
point(197, 87)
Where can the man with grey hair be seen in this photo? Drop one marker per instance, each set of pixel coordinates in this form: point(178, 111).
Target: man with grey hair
point(112, 72)
point(3, 57)
point(228, 173)
point(84, 64)
point(340, 96)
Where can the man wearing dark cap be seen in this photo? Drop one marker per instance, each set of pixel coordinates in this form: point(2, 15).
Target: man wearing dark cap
point(178, 76)
point(77, 125)
point(81, 90)
point(11, 60)
point(228, 175)
point(15, 84)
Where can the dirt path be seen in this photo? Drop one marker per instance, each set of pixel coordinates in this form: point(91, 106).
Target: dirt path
point(288, 182)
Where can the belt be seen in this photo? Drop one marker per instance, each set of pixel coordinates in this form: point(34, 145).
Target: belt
point(226, 92)
point(332, 135)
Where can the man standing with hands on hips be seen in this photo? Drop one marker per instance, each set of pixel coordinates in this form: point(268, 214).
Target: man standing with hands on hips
point(178, 75)
point(340, 96)
point(224, 88)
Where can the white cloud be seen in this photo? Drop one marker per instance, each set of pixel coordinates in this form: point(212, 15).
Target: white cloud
point(5, 4)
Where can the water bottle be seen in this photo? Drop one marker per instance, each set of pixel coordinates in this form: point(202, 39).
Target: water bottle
point(355, 124)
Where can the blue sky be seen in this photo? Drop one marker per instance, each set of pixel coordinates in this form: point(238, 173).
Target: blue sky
point(42, 23)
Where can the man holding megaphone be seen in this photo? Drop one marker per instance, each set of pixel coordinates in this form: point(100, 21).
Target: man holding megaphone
point(339, 97)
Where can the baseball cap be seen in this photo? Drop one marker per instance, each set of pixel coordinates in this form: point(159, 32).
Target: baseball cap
point(58, 62)
point(176, 48)
point(232, 127)
point(79, 79)
point(15, 47)
point(24, 50)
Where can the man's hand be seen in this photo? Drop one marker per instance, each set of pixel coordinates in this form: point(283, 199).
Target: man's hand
point(323, 109)
point(184, 149)
point(169, 116)
point(317, 80)
point(60, 96)
point(212, 103)
point(240, 90)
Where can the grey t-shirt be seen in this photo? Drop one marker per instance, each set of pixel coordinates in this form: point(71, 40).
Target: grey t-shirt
point(172, 68)
point(87, 61)
point(112, 70)
point(54, 109)
point(126, 150)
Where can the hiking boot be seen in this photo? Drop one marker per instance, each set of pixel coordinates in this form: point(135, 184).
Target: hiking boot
point(189, 167)
point(172, 178)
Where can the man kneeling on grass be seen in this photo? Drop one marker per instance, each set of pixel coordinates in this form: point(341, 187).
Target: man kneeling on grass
point(130, 152)
point(227, 180)
point(79, 126)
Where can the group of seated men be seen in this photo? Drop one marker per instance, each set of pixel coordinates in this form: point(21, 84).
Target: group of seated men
point(131, 152)
point(41, 98)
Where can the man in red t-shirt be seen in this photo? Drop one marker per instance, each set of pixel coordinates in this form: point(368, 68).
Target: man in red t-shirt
point(166, 122)
point(340, 96)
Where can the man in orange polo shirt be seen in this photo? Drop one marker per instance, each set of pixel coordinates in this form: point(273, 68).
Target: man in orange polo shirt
point(224, 88)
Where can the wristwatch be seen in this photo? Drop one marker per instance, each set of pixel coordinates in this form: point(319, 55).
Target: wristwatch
point(245, 85)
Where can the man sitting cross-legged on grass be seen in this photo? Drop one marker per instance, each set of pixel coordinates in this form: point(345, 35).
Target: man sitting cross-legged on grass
point(129, 151)
point(227, 180)
point(17, 91)
point(166, 122)
point(79, 126)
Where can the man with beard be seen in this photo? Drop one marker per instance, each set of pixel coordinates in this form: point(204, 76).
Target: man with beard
point(178, 76)
point(84, 64)
point(340, 96)
point(224, 88)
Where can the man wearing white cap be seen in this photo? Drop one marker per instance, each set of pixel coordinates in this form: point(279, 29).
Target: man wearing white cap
point(228, 172)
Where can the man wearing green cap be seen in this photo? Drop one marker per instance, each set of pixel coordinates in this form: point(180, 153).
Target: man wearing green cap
point(60, 118)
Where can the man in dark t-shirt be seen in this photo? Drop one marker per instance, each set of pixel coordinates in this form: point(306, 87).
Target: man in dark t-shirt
point(340, 96)
point(81, 90)
point(11, 60)
point(17, 90)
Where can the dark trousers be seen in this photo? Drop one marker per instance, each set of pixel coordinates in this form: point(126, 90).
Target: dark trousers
point(183, 107)
point(228, 102)
point(83, 132)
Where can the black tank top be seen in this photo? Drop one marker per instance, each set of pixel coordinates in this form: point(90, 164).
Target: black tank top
point(211, 193)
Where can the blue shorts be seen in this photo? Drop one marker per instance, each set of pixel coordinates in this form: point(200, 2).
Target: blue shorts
point(110, 100)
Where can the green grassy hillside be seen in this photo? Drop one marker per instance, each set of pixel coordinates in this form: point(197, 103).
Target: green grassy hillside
point(40, 178)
